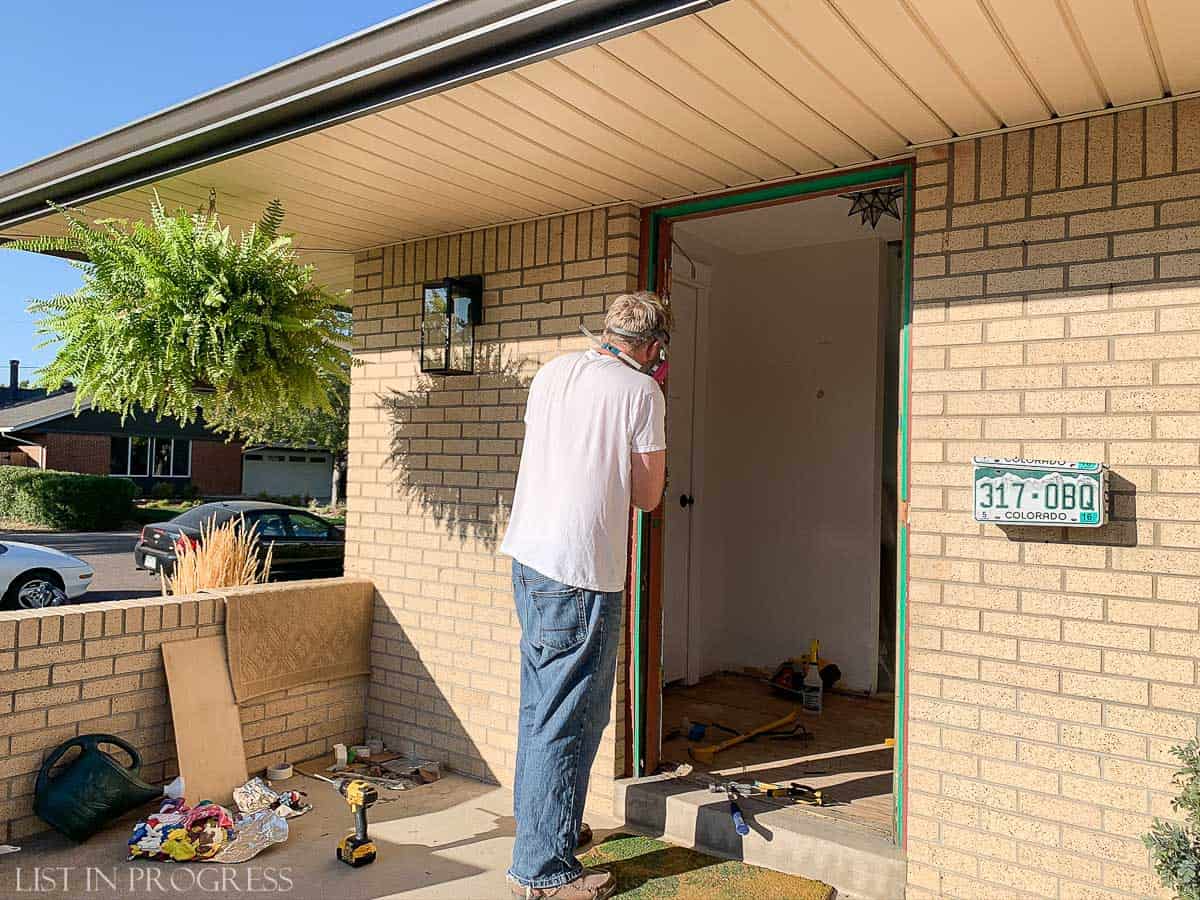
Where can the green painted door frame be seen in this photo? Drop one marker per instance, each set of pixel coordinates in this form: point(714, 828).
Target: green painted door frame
point(903, 174)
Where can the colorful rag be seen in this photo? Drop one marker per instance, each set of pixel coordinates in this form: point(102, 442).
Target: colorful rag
point(181, 833)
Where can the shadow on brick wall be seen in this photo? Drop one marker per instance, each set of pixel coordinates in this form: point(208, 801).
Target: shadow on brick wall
point(454, 443)
point(418, 699)
point(1119, 531)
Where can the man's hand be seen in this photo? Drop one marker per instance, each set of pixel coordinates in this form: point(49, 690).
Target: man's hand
point(649, 479)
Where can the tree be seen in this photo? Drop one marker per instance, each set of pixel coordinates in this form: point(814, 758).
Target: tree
point(177, 317)
point(325, 428)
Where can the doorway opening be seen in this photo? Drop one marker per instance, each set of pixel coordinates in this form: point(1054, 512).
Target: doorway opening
point(780, 526)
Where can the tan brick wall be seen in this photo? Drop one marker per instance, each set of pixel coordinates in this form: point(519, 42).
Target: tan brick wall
point(1055, 315)
point(98, 668)
point(433, 464)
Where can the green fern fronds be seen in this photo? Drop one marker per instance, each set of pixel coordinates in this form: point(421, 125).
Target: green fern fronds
point(177, 317)
point(272, 219)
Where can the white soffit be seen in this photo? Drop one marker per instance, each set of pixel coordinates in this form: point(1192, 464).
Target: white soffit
point(745, 92)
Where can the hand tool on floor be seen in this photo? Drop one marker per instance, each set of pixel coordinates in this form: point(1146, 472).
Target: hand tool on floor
point(735, 811)
point(793, 791)
point(356, 848)
point(796, 733)
point(802, 793)
point(707, 753)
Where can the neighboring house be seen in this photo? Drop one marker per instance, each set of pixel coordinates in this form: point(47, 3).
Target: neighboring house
point(49, 434)
point(1039, 297)
point(287, 472)
point(15, 393)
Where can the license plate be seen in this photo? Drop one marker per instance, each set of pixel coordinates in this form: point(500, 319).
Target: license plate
point(151, 562)
point(1040, 492)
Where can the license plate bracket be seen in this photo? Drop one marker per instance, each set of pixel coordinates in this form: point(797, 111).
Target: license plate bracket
point(1011, 491)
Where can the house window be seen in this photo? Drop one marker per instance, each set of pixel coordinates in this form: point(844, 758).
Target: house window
point(137, 457)
point(162, 459)
point(181, 458)
point(119, 456)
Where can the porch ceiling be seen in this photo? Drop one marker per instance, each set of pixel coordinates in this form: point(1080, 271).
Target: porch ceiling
point(744, 92)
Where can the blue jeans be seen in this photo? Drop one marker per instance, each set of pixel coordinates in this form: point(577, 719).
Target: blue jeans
point(569, 639)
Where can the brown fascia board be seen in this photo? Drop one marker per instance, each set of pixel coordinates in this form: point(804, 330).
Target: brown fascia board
point(428, 50)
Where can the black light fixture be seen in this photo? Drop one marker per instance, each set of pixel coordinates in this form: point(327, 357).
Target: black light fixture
point(875, 203)
point(450, 310)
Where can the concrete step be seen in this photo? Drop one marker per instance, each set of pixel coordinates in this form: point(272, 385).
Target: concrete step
point(859, 862)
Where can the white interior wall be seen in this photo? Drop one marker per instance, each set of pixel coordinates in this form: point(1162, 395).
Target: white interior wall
point(791, 494)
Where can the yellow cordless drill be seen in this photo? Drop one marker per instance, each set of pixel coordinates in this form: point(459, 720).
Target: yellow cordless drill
point(356, 848)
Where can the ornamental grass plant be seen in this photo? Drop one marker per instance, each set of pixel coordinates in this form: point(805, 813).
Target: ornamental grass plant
point(226, 555)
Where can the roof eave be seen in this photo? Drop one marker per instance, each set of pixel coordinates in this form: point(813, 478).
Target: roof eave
point(434, 48)
point(10, 430)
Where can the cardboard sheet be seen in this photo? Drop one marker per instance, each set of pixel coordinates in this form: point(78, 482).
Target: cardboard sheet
point(208, 729)
point(286, 635)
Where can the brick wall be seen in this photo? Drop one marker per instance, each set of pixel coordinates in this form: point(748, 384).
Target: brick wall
point(217, 468)
point(21, 455)
point(98, 668)
point(433, 463)
point(88, 454)
point(1056, 316)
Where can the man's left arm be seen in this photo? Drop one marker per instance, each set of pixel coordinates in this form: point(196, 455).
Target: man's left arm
point(649, 476)
point(649, 446)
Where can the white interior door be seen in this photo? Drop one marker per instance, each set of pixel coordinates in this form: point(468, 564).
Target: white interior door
point(685, 406)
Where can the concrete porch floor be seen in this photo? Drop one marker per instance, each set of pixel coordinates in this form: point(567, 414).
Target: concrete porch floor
point(450, 840)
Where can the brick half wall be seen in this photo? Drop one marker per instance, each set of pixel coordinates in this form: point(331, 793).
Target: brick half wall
point(98, 668)
point(1051, 670)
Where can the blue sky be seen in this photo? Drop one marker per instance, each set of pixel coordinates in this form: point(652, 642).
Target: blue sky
point(77, 69)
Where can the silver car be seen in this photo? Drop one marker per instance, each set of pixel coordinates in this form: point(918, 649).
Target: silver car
point(33, 577)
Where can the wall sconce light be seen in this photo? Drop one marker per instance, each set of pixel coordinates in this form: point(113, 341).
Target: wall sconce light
point(450, 310)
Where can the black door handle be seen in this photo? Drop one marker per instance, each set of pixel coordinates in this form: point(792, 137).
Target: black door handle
point(686, 500)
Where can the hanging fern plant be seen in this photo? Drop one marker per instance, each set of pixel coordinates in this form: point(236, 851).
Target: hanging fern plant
point(177, 317)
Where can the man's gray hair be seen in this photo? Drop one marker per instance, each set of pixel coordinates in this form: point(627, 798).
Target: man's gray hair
point(637, 319)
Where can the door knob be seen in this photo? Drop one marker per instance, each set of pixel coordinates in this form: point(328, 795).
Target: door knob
point(686, 500)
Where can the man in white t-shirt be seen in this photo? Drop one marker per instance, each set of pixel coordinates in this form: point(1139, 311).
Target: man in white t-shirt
point(595, 442)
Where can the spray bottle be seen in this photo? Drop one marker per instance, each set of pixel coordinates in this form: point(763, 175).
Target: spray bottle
point(810, 688)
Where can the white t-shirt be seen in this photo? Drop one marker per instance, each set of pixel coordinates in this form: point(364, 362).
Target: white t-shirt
point(587, 412)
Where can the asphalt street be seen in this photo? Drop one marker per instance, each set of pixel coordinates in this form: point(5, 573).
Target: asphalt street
point(110, 554)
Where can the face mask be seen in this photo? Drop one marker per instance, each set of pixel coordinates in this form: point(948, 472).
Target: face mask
point(656, 368)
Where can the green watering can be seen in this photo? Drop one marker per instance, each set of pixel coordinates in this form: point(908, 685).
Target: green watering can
point(92, 790)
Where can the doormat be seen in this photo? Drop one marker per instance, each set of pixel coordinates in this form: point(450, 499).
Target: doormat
point(647, 869)
point(286, 635)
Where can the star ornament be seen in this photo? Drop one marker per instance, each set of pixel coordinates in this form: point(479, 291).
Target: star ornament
point(874, 204)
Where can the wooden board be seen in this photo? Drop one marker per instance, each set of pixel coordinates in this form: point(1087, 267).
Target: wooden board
point(208, 730)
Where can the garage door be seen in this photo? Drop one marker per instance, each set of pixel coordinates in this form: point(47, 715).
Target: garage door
point(282, 473)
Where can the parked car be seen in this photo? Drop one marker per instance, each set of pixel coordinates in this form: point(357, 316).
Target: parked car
point(33, 577)
point(303, 545)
